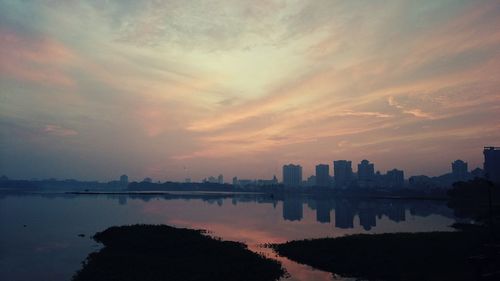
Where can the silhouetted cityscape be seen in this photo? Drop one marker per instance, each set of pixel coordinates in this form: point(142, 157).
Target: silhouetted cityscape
point(341, 178)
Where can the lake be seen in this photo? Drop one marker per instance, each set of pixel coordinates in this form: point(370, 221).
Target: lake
point(40, 232)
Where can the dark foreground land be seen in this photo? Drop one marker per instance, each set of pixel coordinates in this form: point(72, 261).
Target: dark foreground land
point(472, 253)
point(461, 255)
point(160, 252)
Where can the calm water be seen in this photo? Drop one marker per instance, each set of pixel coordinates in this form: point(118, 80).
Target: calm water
point(39, 232)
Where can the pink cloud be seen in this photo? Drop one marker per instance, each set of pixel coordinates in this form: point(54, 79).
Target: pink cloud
point(34, 59)
point(57, 130)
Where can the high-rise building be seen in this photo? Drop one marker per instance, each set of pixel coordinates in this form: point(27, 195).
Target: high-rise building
point(323, 175)
point(342, 172)
point(292, 175)
point(492, 163)
point(366, 173)
point(123, 179)
point(395, 178)
point(220, 179)
point(459, 170)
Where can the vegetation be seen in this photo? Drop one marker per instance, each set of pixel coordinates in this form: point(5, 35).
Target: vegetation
point(160, 252)
point(395, 256)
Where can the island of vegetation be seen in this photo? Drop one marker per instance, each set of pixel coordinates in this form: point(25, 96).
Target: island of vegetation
point(161, 252)
point(471, 253)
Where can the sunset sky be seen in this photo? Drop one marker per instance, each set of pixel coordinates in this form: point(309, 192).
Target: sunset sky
point(175, 89)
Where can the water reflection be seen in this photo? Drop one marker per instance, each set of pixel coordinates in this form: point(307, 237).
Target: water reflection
point(49, 247)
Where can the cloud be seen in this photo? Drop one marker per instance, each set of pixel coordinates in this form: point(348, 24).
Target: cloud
point(412, 111)
point(179, 82)
point(35, 59)
point(59, 131)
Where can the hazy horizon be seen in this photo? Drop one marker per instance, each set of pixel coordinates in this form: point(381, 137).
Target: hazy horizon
point(176, 89)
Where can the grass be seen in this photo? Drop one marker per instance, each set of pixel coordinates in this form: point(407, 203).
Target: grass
point(160, 252)
point(397, 256)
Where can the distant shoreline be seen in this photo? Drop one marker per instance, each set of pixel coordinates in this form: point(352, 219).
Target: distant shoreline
point(176, 192)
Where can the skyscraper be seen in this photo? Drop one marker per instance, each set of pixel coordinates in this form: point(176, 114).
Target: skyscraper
point(342, 172)
point(292, 175)
point(322, 175)
point(123, 179)
point(395, 178)
point(459, 170)
point(492, 163)
point(366, 173)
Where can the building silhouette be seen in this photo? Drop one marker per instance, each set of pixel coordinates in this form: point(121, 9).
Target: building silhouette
point(492, 163)
point(366, 173)
point(459, 170)
point(220, 179)
point(395, 178)
point(266, 182)
point(292, 175)
point(123, 180)
point(310, 181)
point(322, 175)
point(477, 173)
point(342, 172)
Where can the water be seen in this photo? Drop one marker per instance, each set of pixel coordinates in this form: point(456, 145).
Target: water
point(39, 232)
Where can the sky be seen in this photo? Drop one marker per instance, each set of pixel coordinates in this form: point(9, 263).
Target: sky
point(174, 89)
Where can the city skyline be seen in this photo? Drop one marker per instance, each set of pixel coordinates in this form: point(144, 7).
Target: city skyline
point(176, 89)
point(458, 169)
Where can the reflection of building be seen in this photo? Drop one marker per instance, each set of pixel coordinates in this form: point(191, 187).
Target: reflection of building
point(396, 212)
point(122, 199)
point(322, 175)
point(292, 175)
point(492, 163)
point(459, 170)
point(366, 173)
point(395, 178)
point(344, 214)
point(367, 217)
point(323, 211)
point(342, 172)
point(292, 208)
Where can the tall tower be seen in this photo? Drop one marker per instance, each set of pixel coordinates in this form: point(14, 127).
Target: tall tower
point(492, 163)
point(123, 179)
point(459, 170)
point(342, 172)
point(292, 175)
point(366, 173)
point(322, 175)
